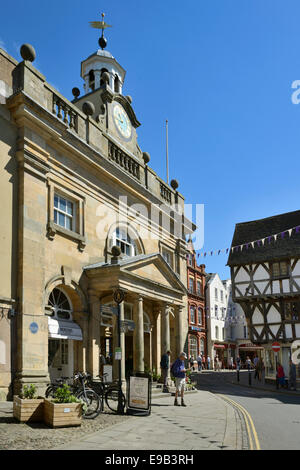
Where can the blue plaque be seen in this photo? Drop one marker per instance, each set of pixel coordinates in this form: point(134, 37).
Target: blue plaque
point(34, 327)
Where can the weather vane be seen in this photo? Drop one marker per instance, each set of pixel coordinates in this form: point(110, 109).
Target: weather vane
point(101, 25)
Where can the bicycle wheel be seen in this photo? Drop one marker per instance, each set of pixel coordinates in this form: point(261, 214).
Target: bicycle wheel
point(50, 391)
point(111, 398)
point(92, 402)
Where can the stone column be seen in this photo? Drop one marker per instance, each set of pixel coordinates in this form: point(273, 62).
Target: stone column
point(156, 342)
point(165, 334)
point(179, 330)
point(138, 337)
point(94, 336)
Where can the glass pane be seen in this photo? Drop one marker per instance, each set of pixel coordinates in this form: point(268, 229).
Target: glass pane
point(63, 315)
point(61, 220)
point(69, 207)
point(68, 223)
point(62, 204)
point(56, 201)
point(55, 216)
point(276, 270)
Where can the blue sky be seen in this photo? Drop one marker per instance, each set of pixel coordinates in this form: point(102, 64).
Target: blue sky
point(219, 70)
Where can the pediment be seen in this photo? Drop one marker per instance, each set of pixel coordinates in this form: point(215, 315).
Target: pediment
point(154, 268)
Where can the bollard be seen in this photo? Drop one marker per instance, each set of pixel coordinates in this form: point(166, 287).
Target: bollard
point(238, 374)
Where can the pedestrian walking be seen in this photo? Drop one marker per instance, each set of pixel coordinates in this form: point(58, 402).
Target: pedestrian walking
point(292, 376)
point(280, 375)
point(192, 360)
point(164, 364)
point(199, 361)
point(179, 372)
point(248, 363)
point(208, 362)
point(231, 363)
point(238, 363)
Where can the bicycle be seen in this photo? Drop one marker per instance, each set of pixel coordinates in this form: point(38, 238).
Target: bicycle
point(92, 401)
point(109, 392)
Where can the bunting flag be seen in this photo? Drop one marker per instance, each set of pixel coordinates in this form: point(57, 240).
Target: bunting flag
point(254, 244)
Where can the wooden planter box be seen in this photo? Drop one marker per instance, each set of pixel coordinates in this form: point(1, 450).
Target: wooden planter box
point(28, 410)
point(62, 414)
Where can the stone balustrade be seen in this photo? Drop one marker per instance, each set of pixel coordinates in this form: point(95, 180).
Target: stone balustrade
point(165, 193)
point(64, 112)
point(123, 160)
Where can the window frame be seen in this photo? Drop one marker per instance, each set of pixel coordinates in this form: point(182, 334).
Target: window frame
point(195, 312)
point(280, 275)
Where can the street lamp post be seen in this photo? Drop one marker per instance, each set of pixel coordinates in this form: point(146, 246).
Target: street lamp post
point(118, 298)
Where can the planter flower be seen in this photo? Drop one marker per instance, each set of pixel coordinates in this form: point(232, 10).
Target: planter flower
point(28, 408)
point(64, 410)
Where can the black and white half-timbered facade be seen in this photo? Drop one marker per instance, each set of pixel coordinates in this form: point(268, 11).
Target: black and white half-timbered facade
point(265, 272)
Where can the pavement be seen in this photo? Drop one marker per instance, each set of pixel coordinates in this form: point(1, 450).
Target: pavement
point(207, 423)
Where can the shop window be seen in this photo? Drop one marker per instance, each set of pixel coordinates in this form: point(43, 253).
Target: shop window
point(64, 212)
point(292, 311)
point(64, 352)
point(199, 290)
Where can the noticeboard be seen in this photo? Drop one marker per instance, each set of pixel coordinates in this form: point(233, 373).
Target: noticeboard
point(139, 394)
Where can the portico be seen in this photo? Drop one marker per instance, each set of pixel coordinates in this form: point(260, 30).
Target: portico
point(151, 314)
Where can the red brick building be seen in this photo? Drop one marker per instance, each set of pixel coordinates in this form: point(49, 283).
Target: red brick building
point(196, 305)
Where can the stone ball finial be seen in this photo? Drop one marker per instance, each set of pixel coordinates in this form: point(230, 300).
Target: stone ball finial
point(129, 98)
point(88, 108)
point(102, 42)
point(116, 251)
point(75, 92)
point(27, 52)
point(105, 77)
point(146, 157)
point(174, 184)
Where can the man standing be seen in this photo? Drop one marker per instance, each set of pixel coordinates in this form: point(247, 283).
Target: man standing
point(255, 362)
point(164, 364)
point(179, 372)
point(208, 363)
point(199, 361)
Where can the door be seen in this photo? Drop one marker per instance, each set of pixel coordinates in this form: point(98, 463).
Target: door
point(60, 358)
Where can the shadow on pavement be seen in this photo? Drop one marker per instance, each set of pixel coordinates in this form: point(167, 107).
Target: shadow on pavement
point(225, 382)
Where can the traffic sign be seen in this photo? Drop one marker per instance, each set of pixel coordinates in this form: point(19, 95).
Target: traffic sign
point(276, 346)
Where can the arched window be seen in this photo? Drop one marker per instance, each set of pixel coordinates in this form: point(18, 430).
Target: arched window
point(202, 349)
point(92, 80)
point(192, 314)
point(217, 332)
point(117, 84)
point(200, 313)
point(60, 305)
point(102, 71)
point(122, 239)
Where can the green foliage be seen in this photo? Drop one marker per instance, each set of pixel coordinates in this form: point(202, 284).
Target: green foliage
point(29, 392)
point(64, 395)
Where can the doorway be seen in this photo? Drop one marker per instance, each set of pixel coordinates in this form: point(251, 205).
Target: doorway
point(60, 358)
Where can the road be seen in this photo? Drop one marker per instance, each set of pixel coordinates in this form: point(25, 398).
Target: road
point(276, 416)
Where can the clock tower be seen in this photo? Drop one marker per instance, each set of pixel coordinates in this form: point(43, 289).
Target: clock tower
point(103, 98)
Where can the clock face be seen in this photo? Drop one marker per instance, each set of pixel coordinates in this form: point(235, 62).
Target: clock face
point(122, 121)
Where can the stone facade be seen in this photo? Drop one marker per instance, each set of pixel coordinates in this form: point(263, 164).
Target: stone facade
point(71, 187)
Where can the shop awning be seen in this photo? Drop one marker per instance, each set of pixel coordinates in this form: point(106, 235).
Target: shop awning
point(62, 329)
point(219, 346)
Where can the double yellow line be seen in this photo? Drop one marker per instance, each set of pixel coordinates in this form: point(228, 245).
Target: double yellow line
point(251, 431)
